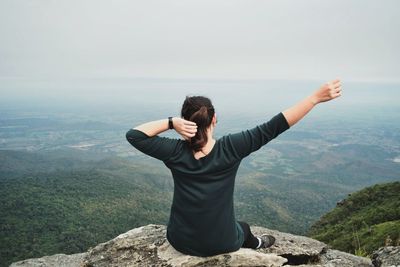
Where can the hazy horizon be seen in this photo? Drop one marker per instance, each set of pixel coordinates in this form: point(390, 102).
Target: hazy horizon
point(120, 93)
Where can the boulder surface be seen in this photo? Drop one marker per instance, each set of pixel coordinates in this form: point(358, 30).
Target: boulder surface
point(147, 246)
point(387, 257)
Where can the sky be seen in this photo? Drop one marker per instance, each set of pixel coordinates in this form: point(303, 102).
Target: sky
point(355, 40)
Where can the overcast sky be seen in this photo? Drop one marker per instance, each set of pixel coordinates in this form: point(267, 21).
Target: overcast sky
point(204, 39)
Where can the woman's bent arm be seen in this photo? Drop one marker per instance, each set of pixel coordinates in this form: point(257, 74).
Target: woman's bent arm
point(326, 92)
point(183, 127)
point(145, 137)
point(153, 128)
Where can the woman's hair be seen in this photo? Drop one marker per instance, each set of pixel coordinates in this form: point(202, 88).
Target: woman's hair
point(200, 110)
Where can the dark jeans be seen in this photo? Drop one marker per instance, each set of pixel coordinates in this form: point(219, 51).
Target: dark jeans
point(250, 241)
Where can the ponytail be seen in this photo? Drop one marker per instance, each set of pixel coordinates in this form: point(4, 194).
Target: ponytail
point(200, 110)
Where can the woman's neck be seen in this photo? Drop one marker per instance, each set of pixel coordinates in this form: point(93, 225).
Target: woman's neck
point(206, 149)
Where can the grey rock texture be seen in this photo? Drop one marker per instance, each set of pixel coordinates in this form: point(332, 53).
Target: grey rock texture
point(147, 246)
point(61, 260)
point(338, 258)
point(386, 257)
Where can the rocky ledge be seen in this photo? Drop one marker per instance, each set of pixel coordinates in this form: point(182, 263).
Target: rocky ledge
point(147, 246)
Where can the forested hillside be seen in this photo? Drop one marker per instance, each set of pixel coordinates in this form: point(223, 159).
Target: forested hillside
point(65, 205)
point(363, 222)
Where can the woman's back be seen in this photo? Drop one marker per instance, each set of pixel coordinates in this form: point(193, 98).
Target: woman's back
point(202, 220)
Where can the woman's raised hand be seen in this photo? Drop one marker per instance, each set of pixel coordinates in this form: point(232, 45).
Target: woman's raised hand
point(327, 91)
point(187, 129)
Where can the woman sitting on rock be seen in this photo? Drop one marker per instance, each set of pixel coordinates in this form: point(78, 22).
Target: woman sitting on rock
point(202, 220)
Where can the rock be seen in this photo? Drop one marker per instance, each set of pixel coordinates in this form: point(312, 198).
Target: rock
point(338, 258)
point(60, 260)
point(386, 257)
point(147, 246)
point(242, 257)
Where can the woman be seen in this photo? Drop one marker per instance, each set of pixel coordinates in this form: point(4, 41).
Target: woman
point(202, 219)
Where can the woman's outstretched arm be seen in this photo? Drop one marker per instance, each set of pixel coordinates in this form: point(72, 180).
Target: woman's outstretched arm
point(326, 92)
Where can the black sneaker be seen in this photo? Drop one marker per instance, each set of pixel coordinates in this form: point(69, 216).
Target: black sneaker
point(267, 241)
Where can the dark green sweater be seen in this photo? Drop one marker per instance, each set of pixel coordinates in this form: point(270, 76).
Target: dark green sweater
point(202, 219)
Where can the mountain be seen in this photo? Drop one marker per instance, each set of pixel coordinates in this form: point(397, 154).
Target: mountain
point(364, 221)
point(147, 246)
